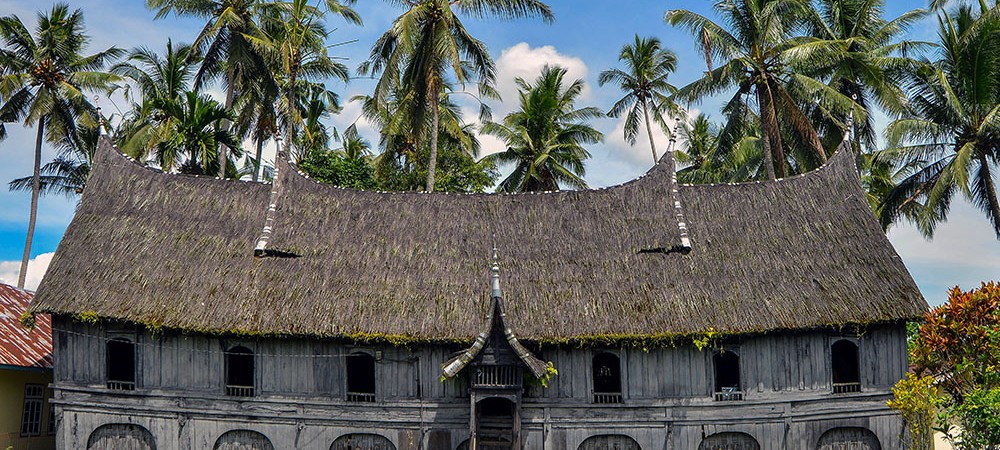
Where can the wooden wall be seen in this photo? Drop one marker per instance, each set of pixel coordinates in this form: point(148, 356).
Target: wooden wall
point(300, 400)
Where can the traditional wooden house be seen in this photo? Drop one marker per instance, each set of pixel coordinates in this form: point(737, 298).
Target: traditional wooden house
point(26, 420)
point(649, 315)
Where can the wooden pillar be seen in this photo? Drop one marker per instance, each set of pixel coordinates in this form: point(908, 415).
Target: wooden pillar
point(516, 443)
point(473, 423)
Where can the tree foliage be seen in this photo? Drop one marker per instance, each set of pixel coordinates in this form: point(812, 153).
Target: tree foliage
point(545, 136)
point(953, 131)
point(958, 347)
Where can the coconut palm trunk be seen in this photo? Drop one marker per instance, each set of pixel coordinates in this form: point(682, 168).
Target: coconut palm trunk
point(258, 164)
point(292, 112)
point(226, 124)
point(36, 186)
point(769, 125)
point(649, 131)
point(432, 163)
point(990, 192)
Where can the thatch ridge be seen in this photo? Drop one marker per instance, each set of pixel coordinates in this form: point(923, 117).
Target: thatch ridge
point(176, 251)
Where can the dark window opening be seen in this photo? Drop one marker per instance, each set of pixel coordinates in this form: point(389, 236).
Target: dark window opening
point(360, 377)
point(727, 376)
point(494, 421)
point(496, 407)
point(239, 372)
point(121, 364)
point(846, 373)
point(31, 415)
point(607, 375)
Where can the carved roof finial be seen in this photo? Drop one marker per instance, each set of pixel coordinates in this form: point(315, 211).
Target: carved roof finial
point(100, 117)
point(495, 275)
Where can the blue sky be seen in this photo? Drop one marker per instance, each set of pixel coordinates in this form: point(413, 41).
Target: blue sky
point(585, 38)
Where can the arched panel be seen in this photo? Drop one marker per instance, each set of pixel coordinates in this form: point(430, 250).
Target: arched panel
point(463, 446)
point(361, 441)
point(243, 440)
point(848, 438)
point(729, 441)
point(609, 442)
point(121, 436)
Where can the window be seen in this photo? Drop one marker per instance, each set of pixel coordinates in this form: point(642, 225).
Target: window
point(607, 375)
point(360, 377)
point(239, 372)
point(31, 416)
point(727, 376)
point(120, 359)
point(844, 361)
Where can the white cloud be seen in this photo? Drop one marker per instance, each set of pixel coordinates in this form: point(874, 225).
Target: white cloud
point(9, 271)
point(639, 154)
point(522, 61)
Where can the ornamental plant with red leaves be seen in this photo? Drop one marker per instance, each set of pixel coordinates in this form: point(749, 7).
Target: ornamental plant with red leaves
point(958, 346)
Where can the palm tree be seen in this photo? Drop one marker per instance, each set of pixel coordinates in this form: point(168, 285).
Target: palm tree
point(159, 79)
point(293, 39)
point(226, 43)
point(197, 134)
point(317, 104)
point(67, 173)
point(43, 84)
point(257, 119)
point(645, 85)
point(714, 155)
point(544, 138)
point(427, 44)
point(755, 53)
point(402, 164)
point(353, 146)
point(858, 53)
point(954, 132)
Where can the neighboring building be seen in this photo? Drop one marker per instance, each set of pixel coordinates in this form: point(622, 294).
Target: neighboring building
point(766, 315)
point(26, 420)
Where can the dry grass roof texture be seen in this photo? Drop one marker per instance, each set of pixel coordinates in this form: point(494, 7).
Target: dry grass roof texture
point(177, 251)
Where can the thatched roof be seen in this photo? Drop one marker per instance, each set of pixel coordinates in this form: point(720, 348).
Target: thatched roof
point(19, 346)
point(177, 251)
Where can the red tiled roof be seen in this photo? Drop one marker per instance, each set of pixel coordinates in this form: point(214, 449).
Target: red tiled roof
point(20, 346)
